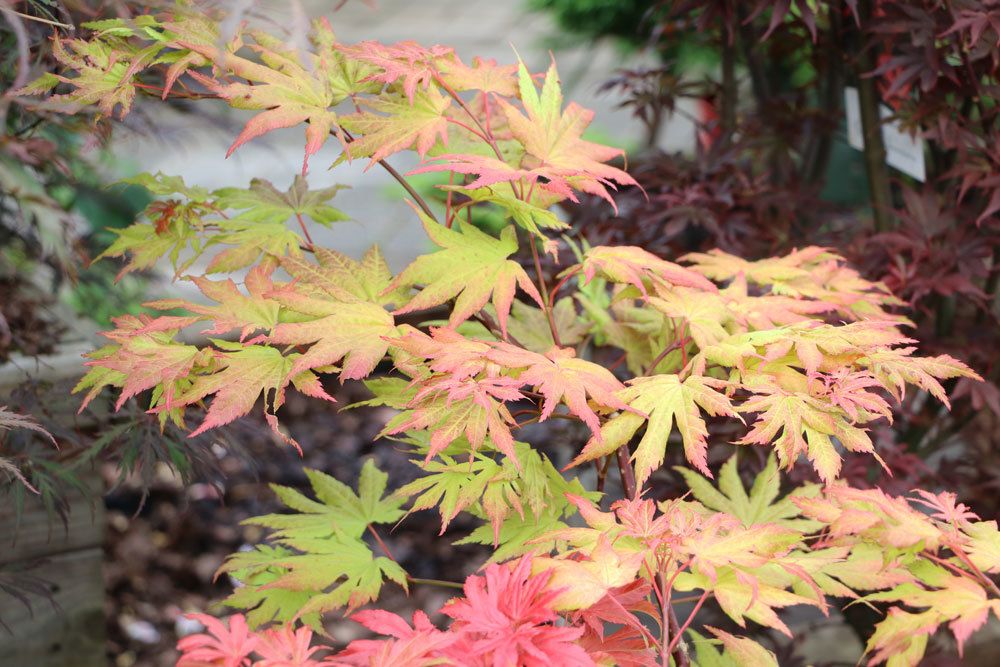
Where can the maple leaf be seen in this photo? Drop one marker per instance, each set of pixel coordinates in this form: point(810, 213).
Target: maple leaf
point(583, 582)
point(452, 408)
point(984, 545)
point(264, 203)
point(244, 373)
point(531, 213)
point(894, 368)
point(661, 401)
point(255, 570)
point(285, 91)
point(344, 569)
point(753, 508)
point(487, 487)
point(552, 139)
point(484, 75)
point(248, 313)
point(408, 61)
point(400, 124)
point(343, 278)
point(873, 515)
point(143, 356)
point(704, 314)
point(795, 414)
point(229, 644)
point(446, 350)
point(744, 597)
point(174, 227)
point(507, 618)
point(251, 239)
point(742, 651)
point(630, 265)
point(470, 267)
point(352, 332)
point(961, 602)
point(419, 646)
point(105, 73)
point(285, 647)
point(338, 508)
point(530, 327)
point(560, 377)
point(807, 273)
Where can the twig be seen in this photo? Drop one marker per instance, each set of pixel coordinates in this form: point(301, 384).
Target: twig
point(628, 475)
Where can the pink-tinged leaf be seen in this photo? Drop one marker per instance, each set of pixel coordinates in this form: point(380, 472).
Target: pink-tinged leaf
point(389, 125)
point(244, 375)
point(561, 377)
point(507, 618)
point(409, 62)
point(352, 332)
point(630, 265)
point(661, 402)
point(225, 645)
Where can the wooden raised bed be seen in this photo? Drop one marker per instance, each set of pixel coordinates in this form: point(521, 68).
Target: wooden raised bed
point(67, 631)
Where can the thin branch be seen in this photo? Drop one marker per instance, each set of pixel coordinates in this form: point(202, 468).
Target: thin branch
point(402, 181)
point(628, 475)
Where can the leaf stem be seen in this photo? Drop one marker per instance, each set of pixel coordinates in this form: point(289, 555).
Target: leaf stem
point(302, 224)
point(435, 582)
point(382, 545)
point(546, 303)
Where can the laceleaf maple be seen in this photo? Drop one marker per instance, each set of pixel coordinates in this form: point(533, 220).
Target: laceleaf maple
point(800, 346)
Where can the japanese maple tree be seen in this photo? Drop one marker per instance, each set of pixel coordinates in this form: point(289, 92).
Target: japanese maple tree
point(646, 354)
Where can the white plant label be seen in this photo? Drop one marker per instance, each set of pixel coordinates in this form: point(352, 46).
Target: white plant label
point(902, 151)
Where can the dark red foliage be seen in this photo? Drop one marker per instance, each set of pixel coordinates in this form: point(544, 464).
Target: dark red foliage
point(761, 180)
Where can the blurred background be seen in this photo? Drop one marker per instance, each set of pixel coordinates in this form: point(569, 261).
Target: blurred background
point(731, 114)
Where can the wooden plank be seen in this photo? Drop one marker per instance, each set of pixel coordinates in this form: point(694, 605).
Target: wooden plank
point(40, 535)
point(70, 636)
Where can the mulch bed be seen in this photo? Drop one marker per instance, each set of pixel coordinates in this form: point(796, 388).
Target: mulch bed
point(162, 553)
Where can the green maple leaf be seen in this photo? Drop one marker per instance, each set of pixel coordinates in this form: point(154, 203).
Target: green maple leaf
point(470, 267)
point(737, 651)
point(667, 401)
point(251, 240)
point(175, 219)
point(487, 488)
point(256, 570)
point(262, 202)
point(105, 72)
point(529, 325)
point(337, 508)
point(343, 567)
point(393, 392)
point(520, 535)
point(532, 215)
point(343, 278)
point(400, 124)
point(753, 508)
